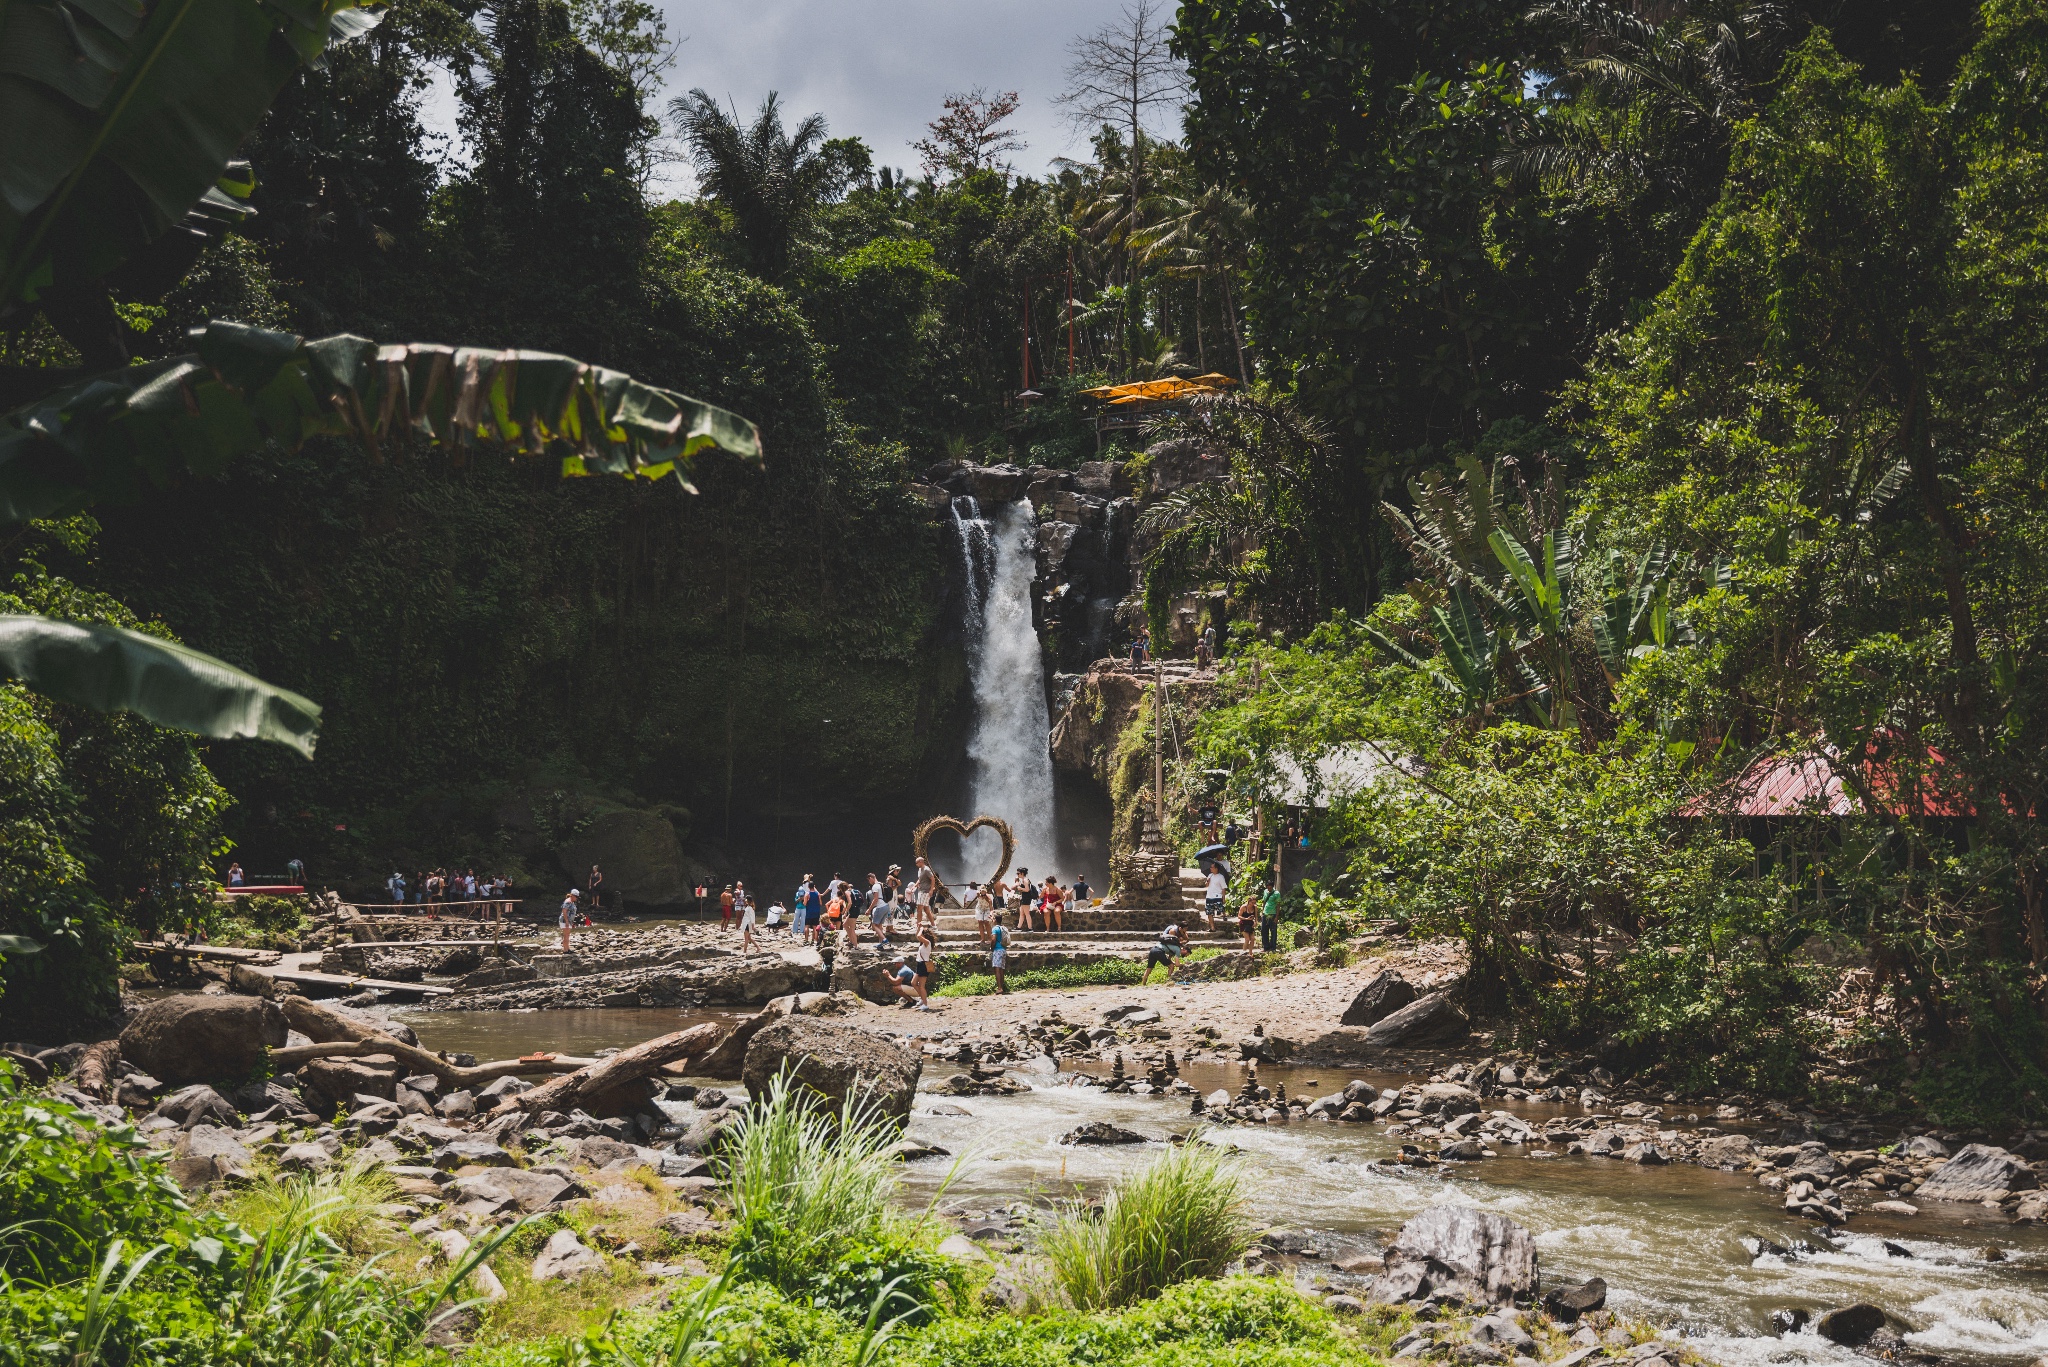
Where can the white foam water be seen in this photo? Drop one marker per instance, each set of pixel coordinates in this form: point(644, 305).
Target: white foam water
point(1010, 766)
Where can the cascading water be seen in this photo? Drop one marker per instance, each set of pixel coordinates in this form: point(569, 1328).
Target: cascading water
point(1010, 767)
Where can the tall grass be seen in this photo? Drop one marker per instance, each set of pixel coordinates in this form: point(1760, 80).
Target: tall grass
point(340, 1202)
point(1183, 1215)
point(807, 1185)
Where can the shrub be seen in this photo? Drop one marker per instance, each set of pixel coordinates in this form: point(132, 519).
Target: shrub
point(1183, 1215)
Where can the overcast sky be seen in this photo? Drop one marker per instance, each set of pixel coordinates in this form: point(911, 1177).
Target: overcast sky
point(877, 69)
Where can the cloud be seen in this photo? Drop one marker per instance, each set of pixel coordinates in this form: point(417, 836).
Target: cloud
point(876, 70)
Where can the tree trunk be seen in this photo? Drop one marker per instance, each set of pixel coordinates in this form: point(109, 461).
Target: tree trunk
point(631, 1065)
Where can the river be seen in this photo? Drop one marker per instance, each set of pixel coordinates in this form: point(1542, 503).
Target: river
point(1668, 1240)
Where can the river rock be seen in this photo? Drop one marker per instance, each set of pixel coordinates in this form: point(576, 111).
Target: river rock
point(1500, 1331)
point(500, 1188)
point(464, 1153)
point(1378, 999)
point(199, 1104)
point(1565, 1306)
point(833, 1061)
point(1979, 1172)
point(1478, 1256)
point(565, 1258)
point(206, 1154)
point(337, 1080)
point(1727, 1151)
point(1462, 1151)
point(1101, 1132)
point(1433, 1019)
point(1850, 1326)
point(199, 1039)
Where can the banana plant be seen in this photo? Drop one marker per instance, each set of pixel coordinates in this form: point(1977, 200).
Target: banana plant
point(1544, 609)
point(1635, 608)
point(121, 117)
point(122, 434)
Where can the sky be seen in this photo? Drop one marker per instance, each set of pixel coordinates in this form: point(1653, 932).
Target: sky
point(876, 69)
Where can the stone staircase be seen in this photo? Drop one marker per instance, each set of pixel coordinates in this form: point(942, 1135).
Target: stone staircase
point(1089, 935)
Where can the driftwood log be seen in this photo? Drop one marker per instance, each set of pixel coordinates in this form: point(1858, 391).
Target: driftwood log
point(628, 1065)
point(94, 1074)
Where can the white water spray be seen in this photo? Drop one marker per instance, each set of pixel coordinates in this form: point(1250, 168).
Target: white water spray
point(1010, 765)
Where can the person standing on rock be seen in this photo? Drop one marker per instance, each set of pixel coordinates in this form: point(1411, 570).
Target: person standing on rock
point(569, 917)
point(984, 911)
point(1021, 898)
point(922, 961)
point(999, 956)
point(885, 911)
point(596, 886)
point(725, 908)
point(928, 886)
point(747, 929)
point(1248, 920)
point(1269, 920)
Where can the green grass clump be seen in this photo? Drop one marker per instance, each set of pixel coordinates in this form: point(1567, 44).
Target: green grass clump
point(1182, 1216)
point(807, 1185)
point(1103, 973)
point(340, 1203)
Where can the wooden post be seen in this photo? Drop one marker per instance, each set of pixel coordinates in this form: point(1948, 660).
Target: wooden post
point(1159, 746)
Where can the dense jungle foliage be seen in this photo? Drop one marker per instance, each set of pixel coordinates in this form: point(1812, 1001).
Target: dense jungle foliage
point(1643, 410)
point(1695, 361)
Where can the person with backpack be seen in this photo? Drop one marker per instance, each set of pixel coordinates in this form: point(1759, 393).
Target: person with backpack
point(999, 955)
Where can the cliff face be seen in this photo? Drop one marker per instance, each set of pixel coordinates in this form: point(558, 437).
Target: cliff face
point(1086, 565)
point(1105, 731)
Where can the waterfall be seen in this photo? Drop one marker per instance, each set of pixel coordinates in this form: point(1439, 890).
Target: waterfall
point(1010, 768)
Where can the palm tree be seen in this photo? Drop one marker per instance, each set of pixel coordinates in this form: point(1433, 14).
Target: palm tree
point(1653, 102)
point(1204, 234)
point(1270, 526)
point(771, 179)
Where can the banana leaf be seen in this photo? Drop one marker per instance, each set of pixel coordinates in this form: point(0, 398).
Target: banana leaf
point(121, 115)
point(112, 669)
point(124, 432)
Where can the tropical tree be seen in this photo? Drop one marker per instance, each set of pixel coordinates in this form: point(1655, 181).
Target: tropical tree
point(772, 180)
point(1270, 528)
point(133, 117)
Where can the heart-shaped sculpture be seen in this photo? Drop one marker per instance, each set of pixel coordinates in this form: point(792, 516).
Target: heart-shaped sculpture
point(922, 837)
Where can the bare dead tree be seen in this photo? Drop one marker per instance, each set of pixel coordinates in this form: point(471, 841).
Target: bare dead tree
point(1124, 76)
point(970, 135)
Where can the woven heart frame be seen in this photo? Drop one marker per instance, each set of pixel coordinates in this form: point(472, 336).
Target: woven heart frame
point(921, 838)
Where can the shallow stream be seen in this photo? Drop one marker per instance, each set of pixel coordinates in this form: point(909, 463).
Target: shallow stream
point(1668, 1240)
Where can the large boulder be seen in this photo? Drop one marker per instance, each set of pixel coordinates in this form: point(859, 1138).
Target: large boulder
point(993, 486)
point(640, 855)
point(752, 980)
point(1478, 1256)
point(833, 1060)
point(1978, 1172)
point(1378, 999)
point(1433, 1019)
point(338, 1081)
point(203, 1039)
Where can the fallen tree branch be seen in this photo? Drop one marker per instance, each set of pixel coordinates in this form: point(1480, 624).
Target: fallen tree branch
point(287, 1059)
point(629, 1065)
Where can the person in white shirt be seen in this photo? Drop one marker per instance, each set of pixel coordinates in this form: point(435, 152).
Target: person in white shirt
point(747, 928)
point(1218, 890)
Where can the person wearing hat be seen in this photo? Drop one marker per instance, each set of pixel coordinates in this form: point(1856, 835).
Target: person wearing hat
point(569, 912)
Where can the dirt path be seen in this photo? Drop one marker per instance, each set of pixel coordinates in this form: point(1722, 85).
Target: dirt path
point(1299, 1006)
